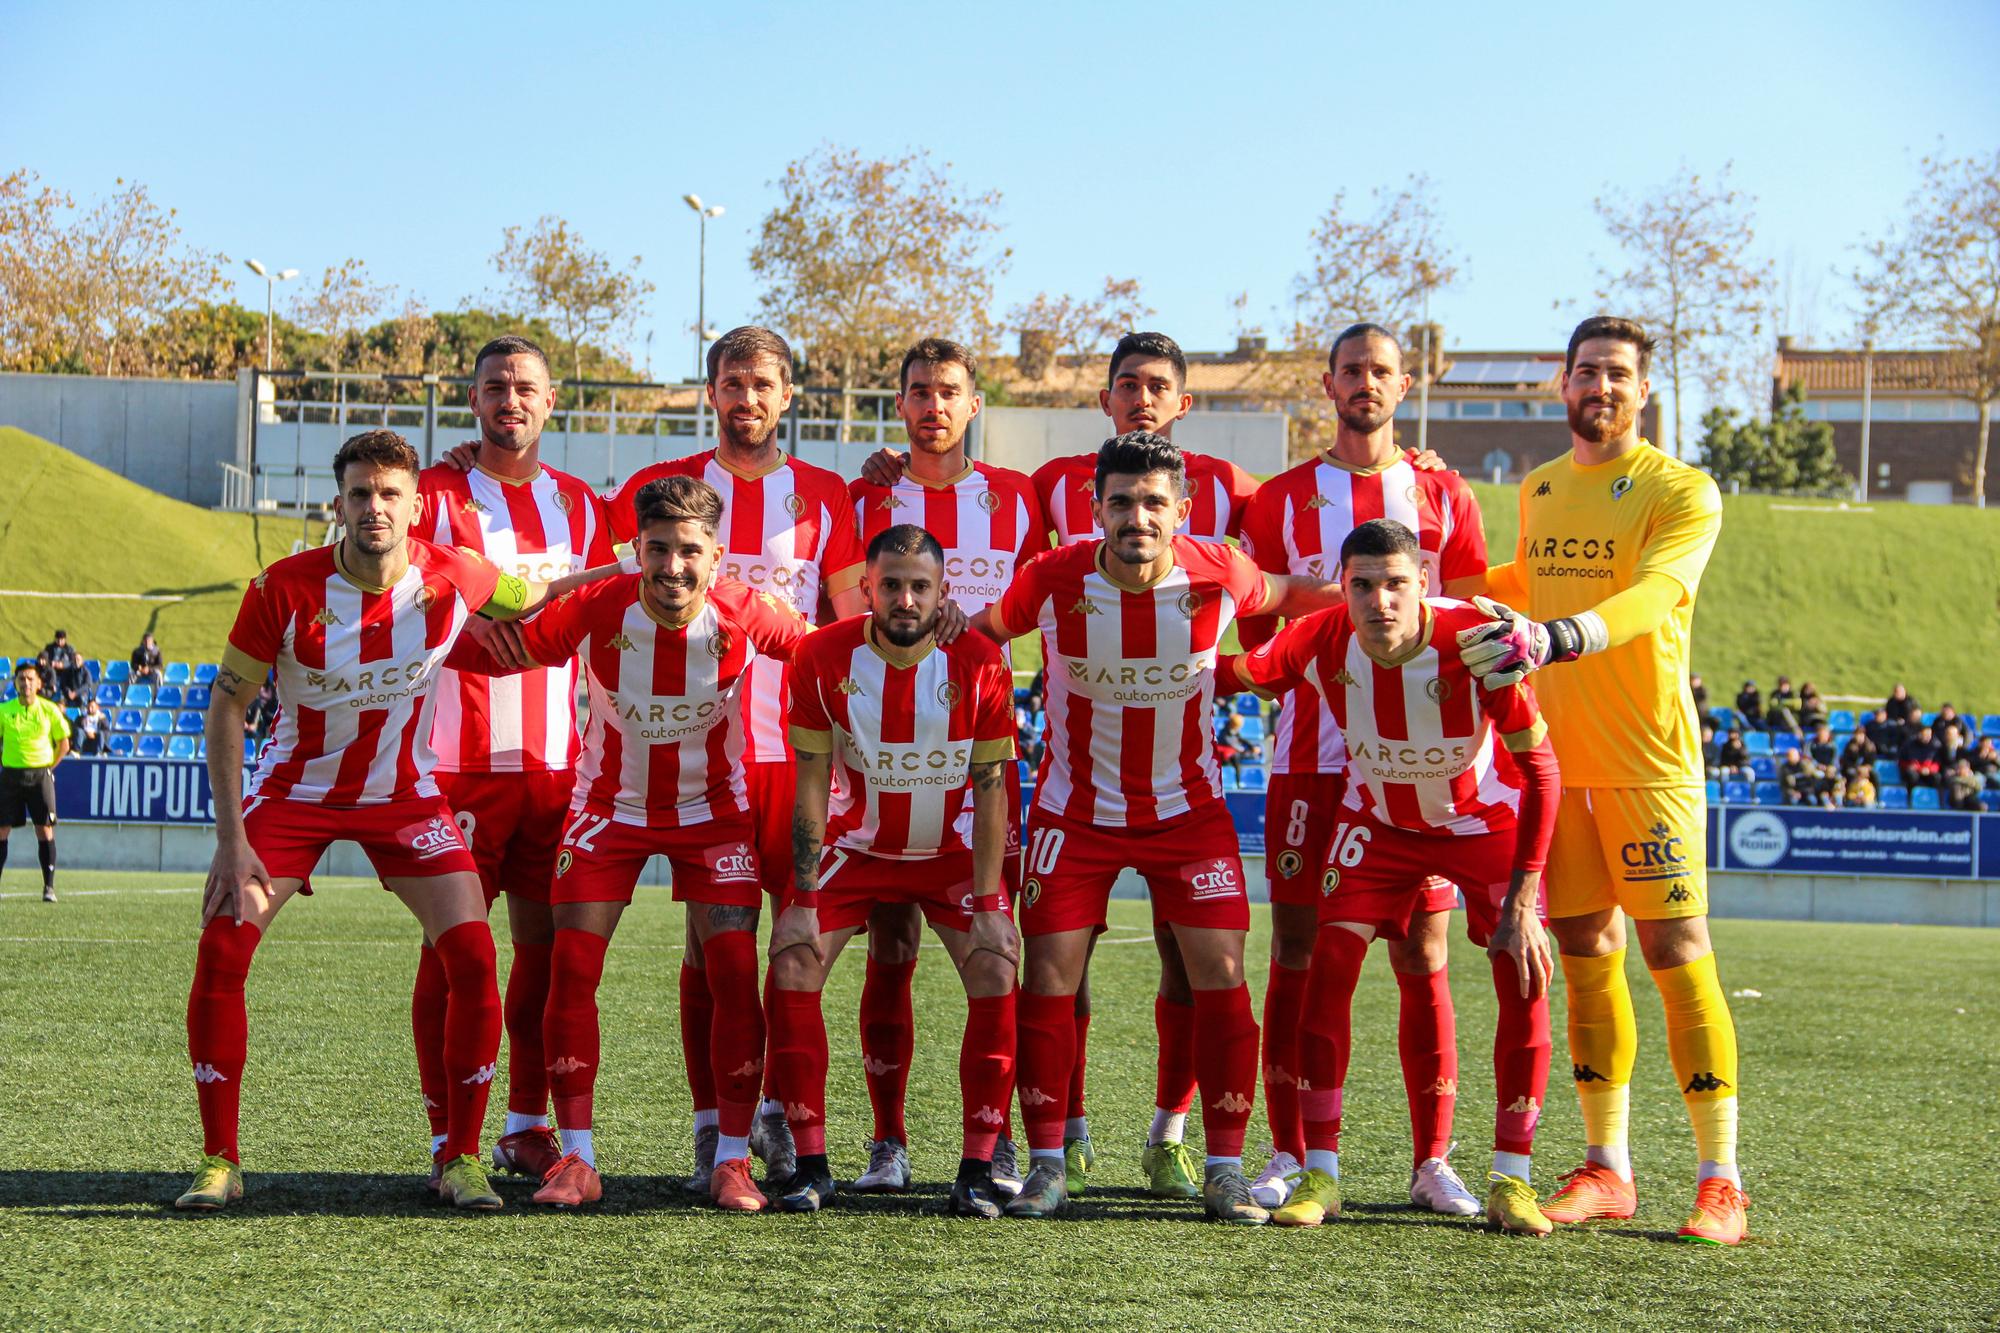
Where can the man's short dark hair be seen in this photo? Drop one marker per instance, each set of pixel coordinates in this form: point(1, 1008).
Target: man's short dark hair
point(905, 539)
point(679, 499)
point(511, 344)
point(378, 448)
point(26, 669)
point(748, 342)
point(1381, 537)
point(1617, 329)
point(937, 352)
point(1361, 330)
point(1137, 453)
point(1150, 346)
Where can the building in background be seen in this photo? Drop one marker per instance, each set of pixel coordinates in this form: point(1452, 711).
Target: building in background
point(1923, 430)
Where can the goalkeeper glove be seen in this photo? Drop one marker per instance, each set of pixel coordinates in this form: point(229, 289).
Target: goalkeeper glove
point(1509, 646)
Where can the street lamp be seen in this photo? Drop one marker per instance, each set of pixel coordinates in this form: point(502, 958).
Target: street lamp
point(1867, 412)
point(704, 212)
point(271, 281)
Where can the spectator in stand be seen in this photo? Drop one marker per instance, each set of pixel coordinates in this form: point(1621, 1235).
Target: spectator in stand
point(1812, 708)
point(1782, 713)
point(1901, 707)
point(1711, 751)
point(1952, 743)
point(1885, 731)
point(64, 675)
point(1917, 760)
point(1733, 759)
point(1860, 789)
point(1859, 752)
point(1947, 716)
point(1750, 703)
point(1232, 747)
point(1028, 724)
point(1986, 762)
point(146, 662)
point(262, 714)
point(1700, 693)
point(1962, 788)
point(92, 729)
point(1823, 749)
point(1804, 782)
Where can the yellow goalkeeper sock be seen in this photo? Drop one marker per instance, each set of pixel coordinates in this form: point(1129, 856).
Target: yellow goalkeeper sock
point(1603, 1045)
point(1701, 1041)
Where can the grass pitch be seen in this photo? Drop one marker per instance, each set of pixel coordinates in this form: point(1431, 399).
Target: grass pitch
point(1868, 1132)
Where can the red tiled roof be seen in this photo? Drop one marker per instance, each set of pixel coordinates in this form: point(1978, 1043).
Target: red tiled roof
point(1840, 372)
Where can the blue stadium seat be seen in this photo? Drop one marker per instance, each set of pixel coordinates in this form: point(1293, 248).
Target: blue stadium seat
point(139, 696)
point(1841, 720)
point(205, 673)
point(1770, 793)
point(1252, 778)
point(1887, 775)
point(119, 746)
point(1924, 798)
point(152, 747)
point(94, 669)
point(1253, 728)
point(201, 747)
point(1765, 767)
point(118, 671)
point(1930, 718)
point(1991, 726)
point(72, 712)
point(1249, 705)
point(109, 695)
point(128, 719)
point(249, 750)
point(1991, 800)
point(178, 673)
point(188, 722)
point(1895, 798)
point(1228, 778)
point(1736, 793)
point(1757, 742)
point(167, 696)
point(6, 689)
point(181, 747)
point(197, 696)
point(159, 721)
point(1714, 792)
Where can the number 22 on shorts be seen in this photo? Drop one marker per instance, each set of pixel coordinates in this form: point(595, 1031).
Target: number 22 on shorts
point(582, 833)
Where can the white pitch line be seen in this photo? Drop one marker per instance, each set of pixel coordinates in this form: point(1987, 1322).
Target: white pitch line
point(96, 596)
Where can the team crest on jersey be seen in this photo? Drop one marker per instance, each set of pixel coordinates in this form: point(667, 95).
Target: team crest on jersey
point(472, 507)
point(795, 505)
point(1329, 881)
point(325, 616)
point(1620, 487)
point(847, 685)
point(1344, 677)
point(621, 642)
point(947, 694)
point(1318, 501)
point(1290, 863)
point(563, 503)
point(989, 501)
point(1188, 603)
point(1437, 690)
point(1413, 495)
point(718, 645)
point(1031, 891)
point(426, 597)
point(890, 501)
point(1085, 607)
point(563, 862)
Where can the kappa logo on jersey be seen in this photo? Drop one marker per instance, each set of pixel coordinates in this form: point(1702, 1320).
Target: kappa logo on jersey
point(1220, 877)
point(259, 581)
point(947, 694)
point(1318, 501)
point(207, 1073)
point(795, 504)
point(989, 501)
point(890, 501)
point(483, 1074)
point(734, 864)
point(472, 507)
point(1290, 863)
point(1542, 490)
point(1706, 1082)
point(1085, 607)
point(563, 862)
point(1035, 1097)
point(621, 642)
point(568, 1064)
point(847, 685)
point(439, 836)
point(1188, 603)
point(1344, 677)
point(1620, 487)
point(325, 616)
point(1234, 1103)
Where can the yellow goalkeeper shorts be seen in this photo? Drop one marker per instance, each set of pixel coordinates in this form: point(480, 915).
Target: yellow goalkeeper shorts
point(1640, 848)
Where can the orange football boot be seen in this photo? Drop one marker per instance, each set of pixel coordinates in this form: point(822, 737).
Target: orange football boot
point(1592, 1193)
point(1719, 1205)
point(570, 1183)
point(732, 1189)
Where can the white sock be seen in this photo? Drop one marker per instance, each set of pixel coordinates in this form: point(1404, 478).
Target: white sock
point(1319, 1159)
point(731, 1148)
point(705, 1120)
point(1234, 1163)
point(1045, 1154)
point(578, 1141)
point(516, 1122)
point(437, 1142)
point(1168, 1126)
point(1614, 1155)
point(1513, 1164)
point(1727, 1170)
point(771, 1106)
point(1076, 1127)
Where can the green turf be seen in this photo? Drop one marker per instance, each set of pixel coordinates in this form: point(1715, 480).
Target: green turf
point(1867, 1124)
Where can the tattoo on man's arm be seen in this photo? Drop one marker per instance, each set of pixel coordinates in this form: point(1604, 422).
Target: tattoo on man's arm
point(230, 683)
point(986, 778)
point(805, 847)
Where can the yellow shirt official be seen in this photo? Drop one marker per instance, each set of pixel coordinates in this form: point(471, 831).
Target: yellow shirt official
point(1622, 717)
point(28, 736)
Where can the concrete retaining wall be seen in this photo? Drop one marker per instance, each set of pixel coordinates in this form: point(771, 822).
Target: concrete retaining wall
point(170, 435)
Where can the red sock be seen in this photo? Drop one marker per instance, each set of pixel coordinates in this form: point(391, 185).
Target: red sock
point(427, 1001)
point(736, 1039)
point(1225, 1059)
point(798, 1062)
point(471, 1033)
point(218, 1026)
point(1427, 1036)
point(1173, 1085)
point(1046, 1052)
point(1284, 1003)
point(1073, 1104)
point(697, 1018)
point(569, 1024)
point(771, 1093)
point(527, 999)
point(1324, 1033)
point(1520, 1061)
point(888, 1041)
point(986, 1072)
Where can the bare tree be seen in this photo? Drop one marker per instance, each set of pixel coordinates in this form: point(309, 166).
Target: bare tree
point(1381, 265)
point(1689, 276)
point(1074, 326)
point(1936, 278)
point(550, 272)
point(34, 263)
point(345, 302)
point(862, 254)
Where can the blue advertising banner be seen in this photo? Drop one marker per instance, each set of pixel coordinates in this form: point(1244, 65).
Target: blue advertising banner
point(133, 791)
point(1803, 840)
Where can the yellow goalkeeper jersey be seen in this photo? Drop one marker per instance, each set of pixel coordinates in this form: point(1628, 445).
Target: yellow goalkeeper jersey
point(1622, 717)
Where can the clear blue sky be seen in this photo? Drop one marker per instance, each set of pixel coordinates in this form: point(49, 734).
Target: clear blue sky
point(1191, 146)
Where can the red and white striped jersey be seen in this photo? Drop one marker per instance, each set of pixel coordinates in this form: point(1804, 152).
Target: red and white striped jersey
point(1295, 525)
point(539, 529)
point(1130, 680)
point(356, 669)
point(664, 743)
point(988, 520)
point(1419, 731)
point(789, 532)
point(903, 738)
point(1219, 488)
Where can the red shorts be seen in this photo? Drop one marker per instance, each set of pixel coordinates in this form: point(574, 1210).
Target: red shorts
point(773, 789)
point(415, 838)
point(514, 823)
point(1190, 864)
point(712, 862)
point(1301, 813)
point(852, 883)
point(1377, 876)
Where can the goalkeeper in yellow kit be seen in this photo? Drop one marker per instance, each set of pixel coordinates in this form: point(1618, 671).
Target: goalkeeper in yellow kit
point(1614, 536)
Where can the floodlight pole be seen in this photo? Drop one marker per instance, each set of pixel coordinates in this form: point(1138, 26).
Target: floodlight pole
point(704, 212)
point(1424, 383)
point(271, 281)
point(1867, 406)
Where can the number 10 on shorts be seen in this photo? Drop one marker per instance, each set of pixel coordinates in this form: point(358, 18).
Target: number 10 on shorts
point(1044, 848)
